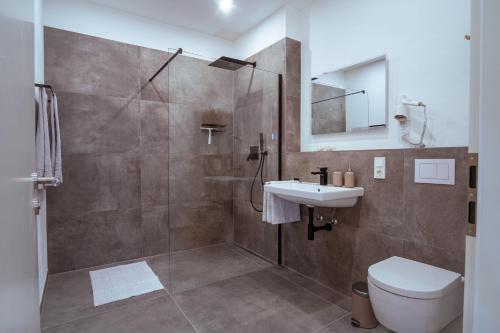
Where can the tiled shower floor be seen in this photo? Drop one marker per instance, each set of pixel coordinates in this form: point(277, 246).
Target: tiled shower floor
point(220, 288)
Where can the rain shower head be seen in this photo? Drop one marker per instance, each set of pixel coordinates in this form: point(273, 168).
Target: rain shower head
point(231, 63)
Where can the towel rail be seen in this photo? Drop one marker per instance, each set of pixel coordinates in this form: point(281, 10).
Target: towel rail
point(47, 86)
point(44, 181)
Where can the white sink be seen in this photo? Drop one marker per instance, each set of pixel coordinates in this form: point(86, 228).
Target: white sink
point(314, 194)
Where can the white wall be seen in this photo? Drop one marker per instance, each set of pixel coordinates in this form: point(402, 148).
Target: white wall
point(39, 47)
point(474, 102)
point(428, 60)
point(486, 318)
point(283, 23)
point(41, 218)
point(91, 19)
point(100, 21)
point(261, 36)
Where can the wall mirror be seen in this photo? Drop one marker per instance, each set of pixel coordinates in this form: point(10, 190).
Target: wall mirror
point(350, 99)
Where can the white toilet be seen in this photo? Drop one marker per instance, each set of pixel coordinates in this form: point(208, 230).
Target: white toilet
point(411, 297)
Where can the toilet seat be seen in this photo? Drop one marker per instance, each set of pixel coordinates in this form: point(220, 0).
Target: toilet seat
point(413, 279)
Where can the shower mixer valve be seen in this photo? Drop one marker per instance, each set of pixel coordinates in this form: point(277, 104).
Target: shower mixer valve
point(254, 153)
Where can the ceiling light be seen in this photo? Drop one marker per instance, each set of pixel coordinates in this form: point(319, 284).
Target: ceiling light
point(226, 5)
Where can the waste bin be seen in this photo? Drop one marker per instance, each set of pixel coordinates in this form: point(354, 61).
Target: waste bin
point(362, 312)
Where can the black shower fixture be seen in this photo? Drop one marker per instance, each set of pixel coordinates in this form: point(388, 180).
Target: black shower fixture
point(179, 51)
point(231, 63)
point(262, 152)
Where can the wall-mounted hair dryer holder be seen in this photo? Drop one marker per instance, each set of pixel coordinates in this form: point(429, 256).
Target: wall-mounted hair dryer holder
point(402, 108)
point(402, 116)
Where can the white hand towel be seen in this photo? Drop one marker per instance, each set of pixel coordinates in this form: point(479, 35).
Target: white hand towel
point(42, 138)
point(56, 139)
point(276, 210)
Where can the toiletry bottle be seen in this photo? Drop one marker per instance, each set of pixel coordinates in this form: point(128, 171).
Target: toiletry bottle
point(338, 179)
point(349, 178)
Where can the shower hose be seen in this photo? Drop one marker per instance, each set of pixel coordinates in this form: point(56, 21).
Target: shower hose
point(260, 170)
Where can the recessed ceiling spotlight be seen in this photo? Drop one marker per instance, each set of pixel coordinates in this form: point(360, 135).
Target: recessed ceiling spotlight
point(226, 5)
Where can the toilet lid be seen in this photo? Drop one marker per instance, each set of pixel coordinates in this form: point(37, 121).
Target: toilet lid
point(413, 279)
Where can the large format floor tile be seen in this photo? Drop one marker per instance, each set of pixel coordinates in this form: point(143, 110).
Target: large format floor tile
point(318, 289)
point(69, 297)
point(260, 301)
point(263, 263)
point(220, 288)
point(344, 326)
point(158, 315)
point(195, 268)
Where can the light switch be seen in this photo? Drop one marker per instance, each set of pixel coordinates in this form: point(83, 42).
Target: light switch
point(435, 171)
point(379, 167)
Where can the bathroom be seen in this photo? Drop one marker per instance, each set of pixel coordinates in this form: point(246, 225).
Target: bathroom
point(249, 166)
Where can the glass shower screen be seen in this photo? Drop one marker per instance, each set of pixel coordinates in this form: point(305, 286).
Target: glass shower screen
point(217, 117)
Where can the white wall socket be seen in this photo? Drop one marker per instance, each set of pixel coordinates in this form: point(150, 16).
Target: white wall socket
point(379, 167)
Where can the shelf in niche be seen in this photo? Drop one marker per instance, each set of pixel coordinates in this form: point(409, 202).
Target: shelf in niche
point(213, 127)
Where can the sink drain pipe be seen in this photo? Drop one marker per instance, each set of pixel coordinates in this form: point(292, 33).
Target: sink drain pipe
point(311, 228)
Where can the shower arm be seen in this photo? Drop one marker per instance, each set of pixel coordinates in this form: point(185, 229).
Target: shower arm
point(179, 51)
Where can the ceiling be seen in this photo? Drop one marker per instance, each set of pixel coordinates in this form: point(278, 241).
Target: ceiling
point(204, 15)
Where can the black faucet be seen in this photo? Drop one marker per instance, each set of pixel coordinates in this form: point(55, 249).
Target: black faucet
point(323, 175)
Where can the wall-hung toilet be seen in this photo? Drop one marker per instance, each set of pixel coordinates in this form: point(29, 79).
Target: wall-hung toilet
point(412, 297)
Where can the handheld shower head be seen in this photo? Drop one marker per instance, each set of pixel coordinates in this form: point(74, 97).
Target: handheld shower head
point(261, 142)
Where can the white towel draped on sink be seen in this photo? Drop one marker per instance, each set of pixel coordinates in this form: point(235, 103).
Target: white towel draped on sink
point(276, 210)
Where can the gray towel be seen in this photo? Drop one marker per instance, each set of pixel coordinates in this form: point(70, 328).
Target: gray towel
point(42, 138)
point(56, 141)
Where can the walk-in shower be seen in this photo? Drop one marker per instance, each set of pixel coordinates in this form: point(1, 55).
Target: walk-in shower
point(185, 205)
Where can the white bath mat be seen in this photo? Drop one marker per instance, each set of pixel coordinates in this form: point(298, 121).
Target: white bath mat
point(124, 281)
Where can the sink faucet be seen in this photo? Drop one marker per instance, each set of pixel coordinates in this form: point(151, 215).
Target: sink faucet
point(323, 175)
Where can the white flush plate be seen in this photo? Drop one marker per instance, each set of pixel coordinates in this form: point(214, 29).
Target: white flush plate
point(435, 171)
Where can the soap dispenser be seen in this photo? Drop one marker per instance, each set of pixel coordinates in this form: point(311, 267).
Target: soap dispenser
point(349, 178)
